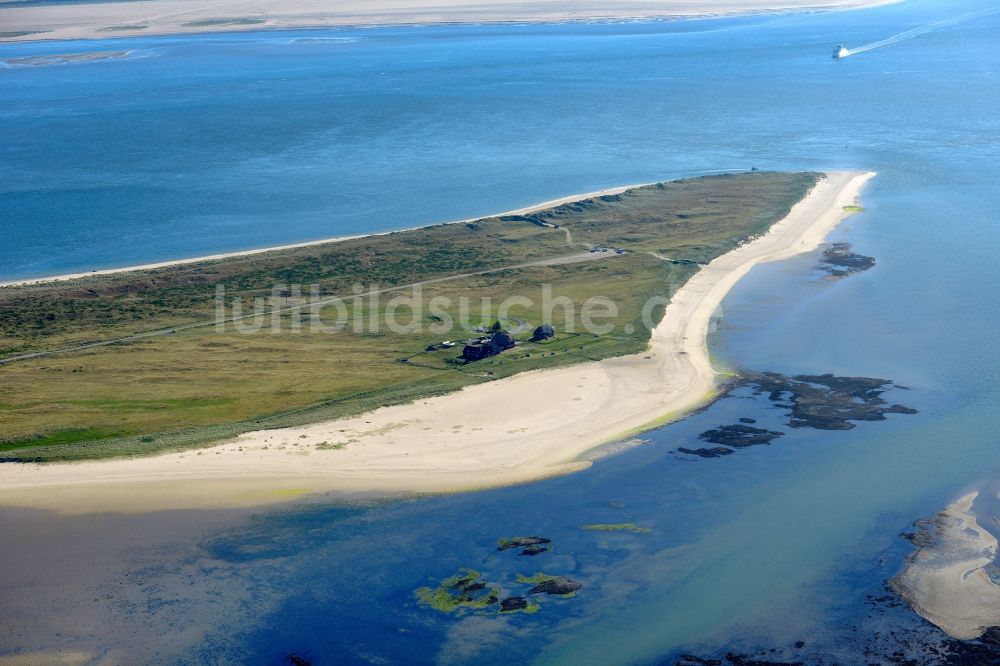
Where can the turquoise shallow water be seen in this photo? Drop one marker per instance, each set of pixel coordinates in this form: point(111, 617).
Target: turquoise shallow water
point(200, 144)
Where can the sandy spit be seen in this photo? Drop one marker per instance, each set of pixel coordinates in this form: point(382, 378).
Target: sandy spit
point(946, 581)
point(157, 17)
point(461, 441)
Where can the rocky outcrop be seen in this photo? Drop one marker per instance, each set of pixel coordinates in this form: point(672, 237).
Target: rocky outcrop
point(556, 585)
point(714, 452)
point(838, 261)
point(522, 542)
point(740, 435)
point(511, 604)
point(824, 402)
point(531, 551)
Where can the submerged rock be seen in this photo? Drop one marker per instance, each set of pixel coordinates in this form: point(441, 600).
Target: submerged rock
point(740, 435)
point(512, 604)
point(533, 550)
point(826, 402)
point(714, 452)
point(615, 527)
point(556, 586)
point(991, 637)
point(521, 542)
point(838, 261)
point(546, 584)
point(463, 590)
point(731, 659)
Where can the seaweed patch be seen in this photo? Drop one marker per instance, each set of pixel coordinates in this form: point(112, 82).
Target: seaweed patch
point(823, 402)
point(839, 261)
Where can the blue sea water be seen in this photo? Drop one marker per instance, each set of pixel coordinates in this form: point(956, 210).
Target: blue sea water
point(198, 144)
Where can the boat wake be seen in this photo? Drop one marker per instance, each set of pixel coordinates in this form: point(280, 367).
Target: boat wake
point(915, 32)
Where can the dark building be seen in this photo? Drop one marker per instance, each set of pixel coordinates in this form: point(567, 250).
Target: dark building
point(543, 332)
point(492, 346)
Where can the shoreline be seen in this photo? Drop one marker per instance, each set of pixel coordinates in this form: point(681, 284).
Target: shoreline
point(946, 581)
point(323, 241)
point(104, 20)
point(551, 419)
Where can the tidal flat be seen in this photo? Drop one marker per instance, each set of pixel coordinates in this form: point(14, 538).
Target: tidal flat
point(65, 58)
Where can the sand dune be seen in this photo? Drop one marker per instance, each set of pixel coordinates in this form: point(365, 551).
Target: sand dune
point(512, 430)
point(147, 17)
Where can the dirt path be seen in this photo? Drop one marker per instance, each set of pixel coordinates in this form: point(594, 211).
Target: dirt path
point(555, 261)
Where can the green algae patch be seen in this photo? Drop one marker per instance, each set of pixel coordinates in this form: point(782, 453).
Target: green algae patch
point(462, 579)
point(854, 209)
point(289, 492)
point(616, 527)
point(505, 543)
point(530, 545)
point(548, 584)
point(462, 590)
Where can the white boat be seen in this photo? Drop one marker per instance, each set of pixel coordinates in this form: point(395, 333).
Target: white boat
point(841, 52)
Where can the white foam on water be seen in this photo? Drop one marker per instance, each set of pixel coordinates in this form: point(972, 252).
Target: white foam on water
point(921, 30)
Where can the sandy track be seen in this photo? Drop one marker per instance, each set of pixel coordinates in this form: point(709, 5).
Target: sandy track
point(553, 261)
point(509, 431)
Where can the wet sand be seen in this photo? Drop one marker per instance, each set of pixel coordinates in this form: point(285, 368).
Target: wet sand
point(110, 588)
point(946, 580)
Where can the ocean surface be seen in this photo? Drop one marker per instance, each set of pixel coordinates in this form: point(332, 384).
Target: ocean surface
point(200, 144)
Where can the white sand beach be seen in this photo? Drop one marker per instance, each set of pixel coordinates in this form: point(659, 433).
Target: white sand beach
point(946, 581)
point(152, 17)
point(460, 441)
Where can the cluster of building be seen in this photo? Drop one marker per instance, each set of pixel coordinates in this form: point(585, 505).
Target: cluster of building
point(490, 345)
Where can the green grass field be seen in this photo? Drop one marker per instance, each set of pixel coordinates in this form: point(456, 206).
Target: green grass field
point(203, 383)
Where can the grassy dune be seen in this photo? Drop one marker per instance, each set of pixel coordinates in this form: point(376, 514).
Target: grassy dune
point(199, 384)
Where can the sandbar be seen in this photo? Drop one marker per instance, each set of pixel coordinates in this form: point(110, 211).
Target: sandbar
point(946, 579)
point(155, 17)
